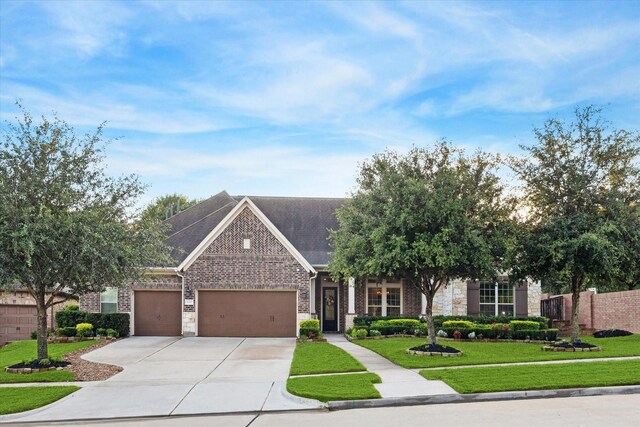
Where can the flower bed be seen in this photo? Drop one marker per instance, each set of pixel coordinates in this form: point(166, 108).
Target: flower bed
point(35, 366)
point(565, 346)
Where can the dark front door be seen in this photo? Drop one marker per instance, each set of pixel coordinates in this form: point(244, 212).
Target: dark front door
point(330, 309)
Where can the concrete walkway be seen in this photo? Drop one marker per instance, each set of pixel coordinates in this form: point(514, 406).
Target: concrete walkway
point(396, 381)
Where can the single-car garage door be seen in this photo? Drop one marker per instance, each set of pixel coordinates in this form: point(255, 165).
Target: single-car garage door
point(157, 313)
point(17, 322)
point(247, 313)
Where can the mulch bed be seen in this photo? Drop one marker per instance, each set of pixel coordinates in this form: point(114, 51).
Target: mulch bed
point(577, 346)
point(434, 350)
point(90, 371)
point(610, 333)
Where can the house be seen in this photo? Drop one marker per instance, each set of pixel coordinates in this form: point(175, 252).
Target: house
point(18, 314)
point(256, 266)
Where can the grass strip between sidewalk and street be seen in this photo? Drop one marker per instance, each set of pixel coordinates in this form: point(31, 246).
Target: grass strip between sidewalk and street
point(322, 358)
point(335, 387)
point(20, 399)
point(538, 377)
point(482, 353)
point(21, 351)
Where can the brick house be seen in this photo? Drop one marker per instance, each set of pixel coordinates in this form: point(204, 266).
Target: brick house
point(256, 266)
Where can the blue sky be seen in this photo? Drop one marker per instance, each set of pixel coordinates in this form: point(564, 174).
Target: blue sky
point(286, 98)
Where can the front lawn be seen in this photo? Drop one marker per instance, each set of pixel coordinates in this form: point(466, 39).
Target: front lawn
point(322, 357)
point(335, 387)
point(538, 377)
point(20, 399)
point(20, 351)
point(481, 353)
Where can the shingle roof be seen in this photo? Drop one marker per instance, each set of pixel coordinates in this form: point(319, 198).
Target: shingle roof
point(304, 221)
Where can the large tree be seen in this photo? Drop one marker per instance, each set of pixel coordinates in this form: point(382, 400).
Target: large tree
point(430, 216)
point(163, 207)
point(581, 183)
point(65, 224)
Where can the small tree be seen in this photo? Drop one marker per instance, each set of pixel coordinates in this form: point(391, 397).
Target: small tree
point(64, 224)
point(166, 206)
point(581, 185)
point(429, 216)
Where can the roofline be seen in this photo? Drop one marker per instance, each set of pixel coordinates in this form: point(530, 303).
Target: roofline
point(162, 270)
point(237, 209)
point(295, 197)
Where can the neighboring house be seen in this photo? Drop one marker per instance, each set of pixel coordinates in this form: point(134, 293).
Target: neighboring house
point(256, 266)
point(18, 314)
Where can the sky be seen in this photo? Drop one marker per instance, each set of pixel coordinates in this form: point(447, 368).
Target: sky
point(288, 98)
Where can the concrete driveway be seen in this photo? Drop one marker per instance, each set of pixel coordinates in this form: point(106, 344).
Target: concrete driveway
point(171, 375)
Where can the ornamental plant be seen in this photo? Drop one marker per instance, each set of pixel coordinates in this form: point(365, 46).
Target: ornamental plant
point(84, 329)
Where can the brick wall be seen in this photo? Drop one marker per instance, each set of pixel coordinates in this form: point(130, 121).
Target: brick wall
point(412, 304)
point(266, 265)
point(612, 310)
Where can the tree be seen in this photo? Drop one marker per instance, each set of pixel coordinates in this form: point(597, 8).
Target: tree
point(580, 178)
point(429, 216)
point(65, 224)
point(166, 206)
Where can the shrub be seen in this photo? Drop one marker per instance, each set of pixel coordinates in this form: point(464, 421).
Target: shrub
point(610, 333)
point(472, 335)
point(66, 332)
point(365, 321)
point(380, 324)
point(303, 337)
point(72, 307)
point(112, 333)
point(362, 333)
point(34, 335)
point(486, 320)
point(457, 334)
point(520, 325)
point(442, 334)
point(348, 331)
point(84, 329)
point(458, 324)
point(101, 332)
point(374, 333)
point(69, 318)
point(310, 328)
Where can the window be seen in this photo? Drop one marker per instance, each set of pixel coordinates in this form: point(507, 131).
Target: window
point(109, 301)
point(496, 298)
point(384, 299)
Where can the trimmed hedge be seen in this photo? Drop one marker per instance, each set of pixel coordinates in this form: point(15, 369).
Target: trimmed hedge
point(310, 328)
point(458, 324)
point(116, 321)
point(522, 325)
point(487, 320)
point(365, 321)
point(483, 331)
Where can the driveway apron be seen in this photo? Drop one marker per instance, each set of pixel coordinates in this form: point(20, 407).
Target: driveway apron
point(173, 375)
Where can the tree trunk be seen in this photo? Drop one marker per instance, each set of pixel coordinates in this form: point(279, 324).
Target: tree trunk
point(576, 283)
point(43, 352)
point(431, 330)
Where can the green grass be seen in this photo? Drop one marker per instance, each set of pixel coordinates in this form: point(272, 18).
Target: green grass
point(335, 387)
point(20, 399)
point(321, 358)
point(538, 377)
point(480, 353)
point(21, 351)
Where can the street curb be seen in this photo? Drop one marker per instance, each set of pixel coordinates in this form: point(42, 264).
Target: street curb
point(339, 405)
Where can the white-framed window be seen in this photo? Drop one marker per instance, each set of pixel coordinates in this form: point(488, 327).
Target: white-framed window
point(384, 299)
point(109, 300)
point(497, 298)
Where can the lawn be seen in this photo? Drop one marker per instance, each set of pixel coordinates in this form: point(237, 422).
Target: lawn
point(322, 357)
point(20, 351)
point(538, 377)
point(20, 399)
point(479, 353)
point(335, 387)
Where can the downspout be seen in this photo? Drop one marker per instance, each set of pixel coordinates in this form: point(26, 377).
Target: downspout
point(181, 276)
point(312, 278)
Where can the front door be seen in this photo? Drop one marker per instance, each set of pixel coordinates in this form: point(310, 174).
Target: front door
point(330, 309)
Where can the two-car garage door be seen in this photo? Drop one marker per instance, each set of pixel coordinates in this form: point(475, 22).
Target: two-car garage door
point(220, 313)
point(247, 313)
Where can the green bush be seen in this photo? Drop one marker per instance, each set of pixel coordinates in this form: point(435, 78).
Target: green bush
point(520, 325)
point(34, 335)
point(72, 307)
point(374, 333)
point(458, 324)
point(101, 332)
point(310, 328)
point(84, 329)
point(117, 321)
point(379, 323)
point(112, 333)
point(362, 333)
point(365, 321)
point(69, 318)
point(66, 332)
point(486, 320)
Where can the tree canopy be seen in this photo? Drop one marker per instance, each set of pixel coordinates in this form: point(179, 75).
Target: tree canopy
point(581, 187)
point(64, 223)
point(429, 216)
point(165, 206)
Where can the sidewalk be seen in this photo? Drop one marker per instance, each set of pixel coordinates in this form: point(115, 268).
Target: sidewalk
point(542, 362)
point(396, 381)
